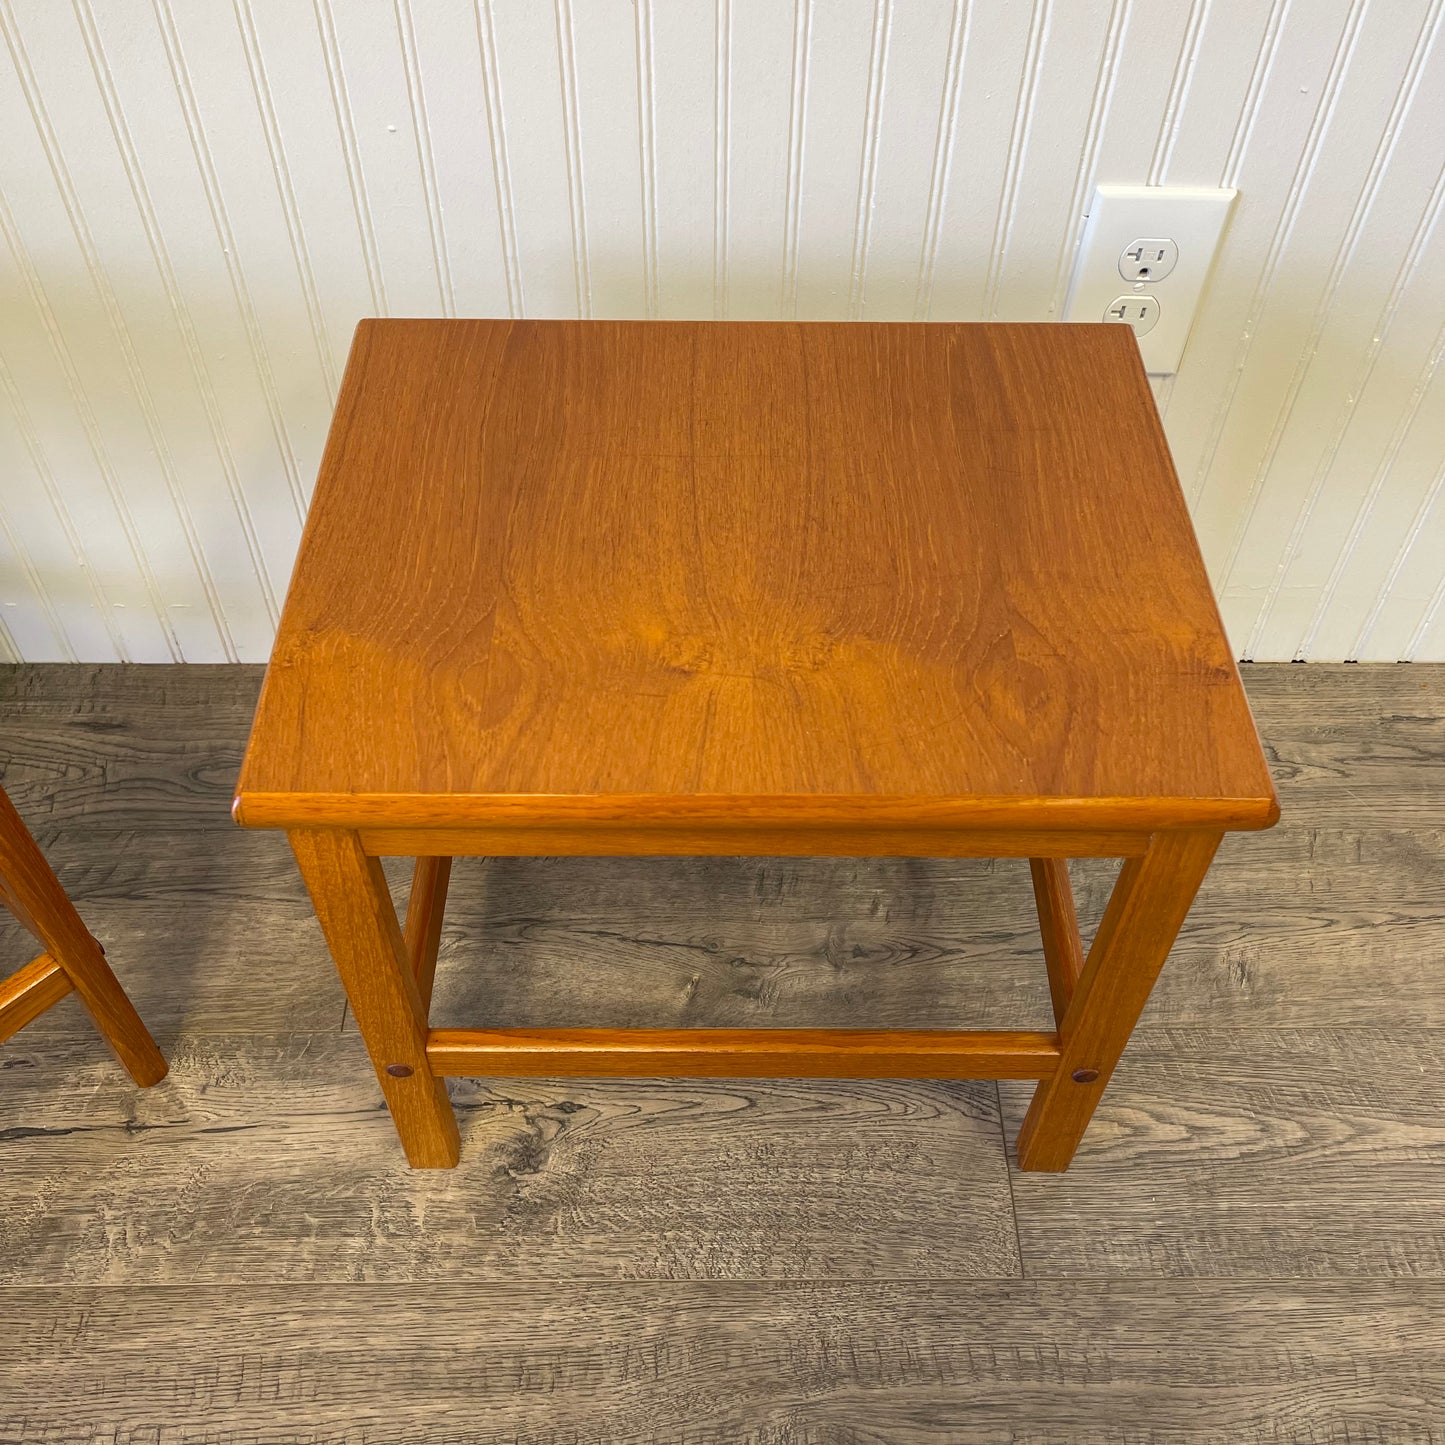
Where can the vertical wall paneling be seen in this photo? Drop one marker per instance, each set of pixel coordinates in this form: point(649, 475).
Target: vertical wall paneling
point(44, 639)
point(531, 116)
point(941, 166)
point(1393, 257)
point(100, 378)
point(907, 158)
point(1274, 283)
point(1016, 153)
point(449, 94)
point(722, 153)
point(50, 571)
point(355, 176)
point(827, 187)
point(33, 628)
point(868, 159)
point(647, 152)
point(1101, 107)
point(1427, 640)
point(287, 104)
point(609, 141)
point(686, 155)
point(196, 442)
point(1181, 78)
point(755, 75)
point(991, 71)
point(426, 161)
point(1399, 599)
point(256, 70)
point(490, 86)
point(572, 141)
point(199, 201)
point(1346, 325)
point(797, 131)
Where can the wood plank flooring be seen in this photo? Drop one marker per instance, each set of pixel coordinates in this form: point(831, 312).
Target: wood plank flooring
point(1249, 1248)
point(1035, 1362)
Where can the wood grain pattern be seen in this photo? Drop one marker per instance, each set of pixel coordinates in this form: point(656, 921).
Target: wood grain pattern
point(1145, 912)
point(11, 904)
point(142, 746)
point(742, 1053)
point(824, 571)
point(29, 991)
point(263, 1159)
point(1341, 925)
point(36, 898)
point(354, 906)
point(1274, 1118)
point(223, 906)
point(613, 834)
point(918, 1363)
point(598, 582)
point(124, 746)
point(1264, 1153)
point(1059, 929)
point(425, 912)
point(1271, 1154)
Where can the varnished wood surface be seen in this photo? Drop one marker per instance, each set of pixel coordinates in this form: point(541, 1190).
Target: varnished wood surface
point(1144, 913)
point(159, 748)
point(618, 836)
point(742, 1053)
point(29, 991)
point(1247, 1249)
point(425, 913)
point(605, 570)
point(1058, 929)
point(358, 917)
point(37, 900)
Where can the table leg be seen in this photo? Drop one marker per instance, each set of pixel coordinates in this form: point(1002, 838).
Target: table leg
point(424, 911)
point(34, 894)
point(1147, 907)
point(353, 903)
point(1059, 929)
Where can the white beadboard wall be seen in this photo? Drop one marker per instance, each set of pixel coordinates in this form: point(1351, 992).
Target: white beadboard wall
point(200, 198)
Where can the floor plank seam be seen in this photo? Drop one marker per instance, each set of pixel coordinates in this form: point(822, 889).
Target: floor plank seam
point(1009, 1180)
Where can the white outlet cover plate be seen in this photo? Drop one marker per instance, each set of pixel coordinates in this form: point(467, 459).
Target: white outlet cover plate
point(1192, 216)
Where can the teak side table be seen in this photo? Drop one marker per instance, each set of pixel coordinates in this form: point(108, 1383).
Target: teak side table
point(750, 588)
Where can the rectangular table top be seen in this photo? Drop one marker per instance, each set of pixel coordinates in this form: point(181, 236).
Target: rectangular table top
point(594, 569)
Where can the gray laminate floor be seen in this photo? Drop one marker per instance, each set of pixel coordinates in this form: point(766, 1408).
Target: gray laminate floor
point(1250, 1246)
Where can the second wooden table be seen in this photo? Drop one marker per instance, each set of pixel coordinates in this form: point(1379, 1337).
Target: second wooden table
point(750, 588)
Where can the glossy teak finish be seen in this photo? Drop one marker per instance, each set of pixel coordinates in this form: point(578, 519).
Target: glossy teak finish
point(743, 588)
point(72, 958)
point(590, 573)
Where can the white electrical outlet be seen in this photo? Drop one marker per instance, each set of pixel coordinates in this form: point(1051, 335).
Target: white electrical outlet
point(1161, 241)
point(1140, 312)
point(1151, 258)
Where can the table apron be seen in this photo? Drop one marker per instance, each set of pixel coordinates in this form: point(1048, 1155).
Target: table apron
point(748, 841)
